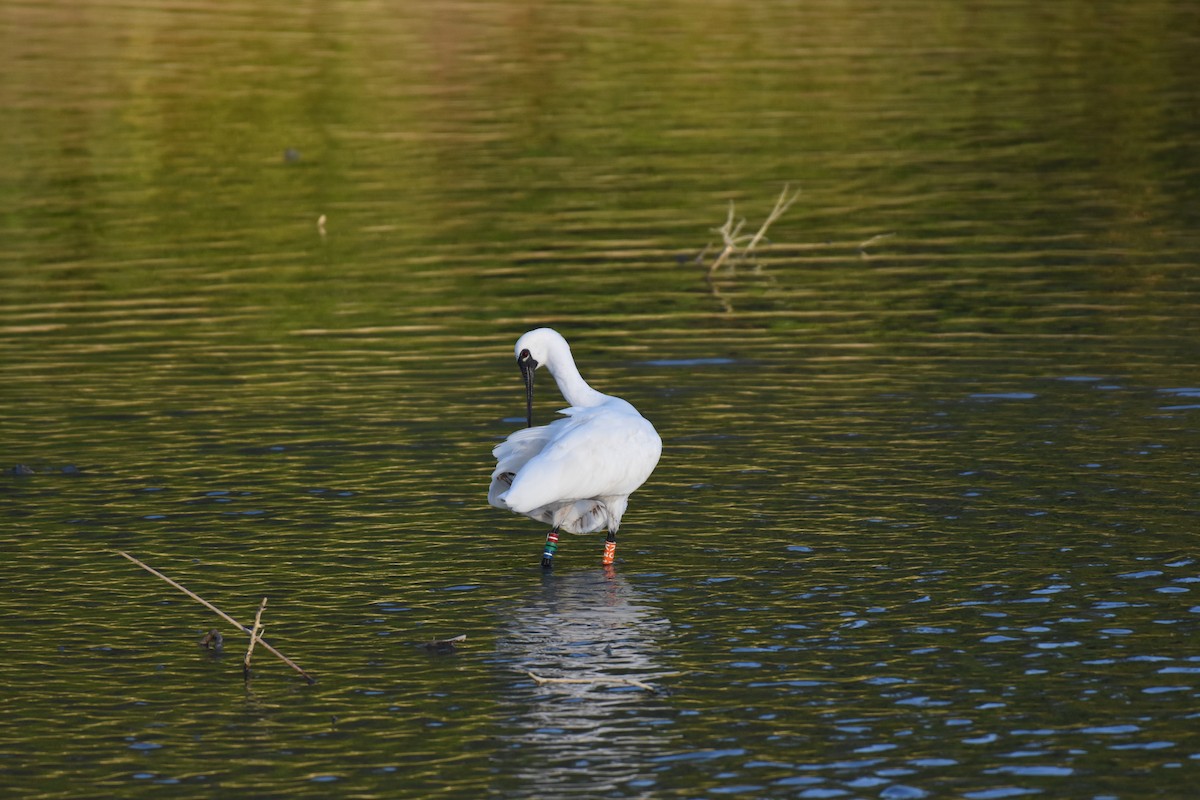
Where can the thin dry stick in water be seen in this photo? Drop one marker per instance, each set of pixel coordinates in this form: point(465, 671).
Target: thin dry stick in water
point(541, 680)
point(218, 612)
point(781, 205)
point(254, 634)
point(731, 235)
point(730, 231)
point(862, 247)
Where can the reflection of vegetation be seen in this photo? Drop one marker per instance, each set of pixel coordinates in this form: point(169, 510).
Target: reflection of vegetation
point(581, 146)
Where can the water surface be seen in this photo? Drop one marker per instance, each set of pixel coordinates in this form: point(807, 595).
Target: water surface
point(924, 524)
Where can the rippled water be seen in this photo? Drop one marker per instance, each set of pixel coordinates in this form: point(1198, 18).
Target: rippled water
point(925, 521)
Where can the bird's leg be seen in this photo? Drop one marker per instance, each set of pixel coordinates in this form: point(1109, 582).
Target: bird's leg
point(610, 549)
point(551, 546)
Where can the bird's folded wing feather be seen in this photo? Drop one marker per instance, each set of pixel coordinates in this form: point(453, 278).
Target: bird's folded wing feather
point(511, 455)
point(595, 452)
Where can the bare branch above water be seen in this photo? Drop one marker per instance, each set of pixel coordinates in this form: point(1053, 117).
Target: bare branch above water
point(221, 614)
point(737, 245)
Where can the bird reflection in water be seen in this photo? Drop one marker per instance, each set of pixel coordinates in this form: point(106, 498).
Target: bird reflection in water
point(591, 737)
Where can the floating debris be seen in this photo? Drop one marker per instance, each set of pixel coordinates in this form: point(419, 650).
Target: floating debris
point(602, 680)
point(445, 645)
point(734, 240)
point(255, 636)
point(253, 633)
point(24, 471)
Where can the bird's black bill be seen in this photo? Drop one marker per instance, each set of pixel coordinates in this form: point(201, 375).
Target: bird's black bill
point(527, 365)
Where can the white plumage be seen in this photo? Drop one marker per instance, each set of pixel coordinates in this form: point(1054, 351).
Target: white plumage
point(575, 474)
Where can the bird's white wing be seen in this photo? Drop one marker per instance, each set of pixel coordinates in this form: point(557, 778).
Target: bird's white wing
point(512, 454)
point(600, 451)
point(520, 446)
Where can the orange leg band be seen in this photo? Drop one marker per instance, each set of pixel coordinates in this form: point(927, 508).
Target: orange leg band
point(610, 550)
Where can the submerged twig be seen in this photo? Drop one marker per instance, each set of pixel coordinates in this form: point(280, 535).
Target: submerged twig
point(254, 637)
point(218, 612)
point(731, 235)
point(541, 680)
point(781, 205)
point(879, 237)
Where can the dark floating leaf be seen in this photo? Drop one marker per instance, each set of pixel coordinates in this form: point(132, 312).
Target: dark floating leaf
point(213, 640)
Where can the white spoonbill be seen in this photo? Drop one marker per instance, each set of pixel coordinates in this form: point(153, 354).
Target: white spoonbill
point(575, 474)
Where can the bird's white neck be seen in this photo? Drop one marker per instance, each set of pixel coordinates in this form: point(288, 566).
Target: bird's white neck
point(574, 388)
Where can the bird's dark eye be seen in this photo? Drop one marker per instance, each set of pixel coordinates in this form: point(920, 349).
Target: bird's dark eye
point(525, 356)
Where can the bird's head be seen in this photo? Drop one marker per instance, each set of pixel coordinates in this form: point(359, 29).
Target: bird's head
point(535, 349)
